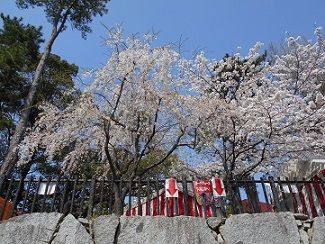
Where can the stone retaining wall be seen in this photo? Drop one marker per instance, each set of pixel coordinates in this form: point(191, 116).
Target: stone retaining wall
point(267, 228)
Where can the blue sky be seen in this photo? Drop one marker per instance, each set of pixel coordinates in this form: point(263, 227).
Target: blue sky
point(215, 26)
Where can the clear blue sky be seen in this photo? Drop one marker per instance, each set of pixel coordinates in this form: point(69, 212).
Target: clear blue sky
point(216, 26)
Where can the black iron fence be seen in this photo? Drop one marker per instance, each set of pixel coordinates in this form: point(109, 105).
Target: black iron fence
point(92, 197)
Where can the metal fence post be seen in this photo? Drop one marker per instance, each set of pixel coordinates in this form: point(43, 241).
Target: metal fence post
point(285, 201)
point(35, 195)
point(91, 197)
point(21, 182)
point(157, 191)
point(45, 194)
point(73, 194)
point(275, 195)
point(185, 196)
point(139, 198)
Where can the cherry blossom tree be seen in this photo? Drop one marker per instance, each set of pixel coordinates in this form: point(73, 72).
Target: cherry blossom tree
point(257, 115)
point(243, 114)
point(79, 13)
point(133, 109)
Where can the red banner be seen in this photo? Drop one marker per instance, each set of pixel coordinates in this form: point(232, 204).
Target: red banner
point(202, 191)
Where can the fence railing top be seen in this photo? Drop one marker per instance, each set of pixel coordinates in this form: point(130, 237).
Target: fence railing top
point(300, 181)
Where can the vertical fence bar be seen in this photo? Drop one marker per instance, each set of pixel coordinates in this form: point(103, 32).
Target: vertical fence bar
point(120, 190)
point(45, 194)
point(310, 198)
point(91, 197)
point(264, 190)
point(275, 195)
point(110, 200)
point(21, 182)
point(237, 205)
point(6, 198)
point(294, 200)
point(318, 193)
point(27, 192)
point(285, 203)
point(82, 197)
point(148, 209)
point(255, 202)
point(73, 194)
point(55, 192)
point(185, 196)
point(196, 213)
point(129, 213)
point(213, 207)
point(322, 184)
point(35, 194)
point(167, 202)
point(102, 182)
point(301, 197)
point(139, 198)
point(65, 194)
point(158, 200)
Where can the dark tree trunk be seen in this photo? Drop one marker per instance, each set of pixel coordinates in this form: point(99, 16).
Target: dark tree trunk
point(233, 194)
point(11, 157)
point(119, 196)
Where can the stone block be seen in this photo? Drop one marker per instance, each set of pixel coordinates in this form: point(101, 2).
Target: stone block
point(71, 231)
point(318, 231)
point(164, 230)
point(104, 228)
point(35, 228)
point(262, 228)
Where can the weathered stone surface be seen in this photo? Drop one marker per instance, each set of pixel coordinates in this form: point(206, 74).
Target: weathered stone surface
point(33, 228)
point(304, 238)
point(220, 239)
point(71, 231)
point(298, 222)
point(83, 221)
point(318, 231)
point(268, 228)
point(104, 228)
point(164, 230)
point(306, 225)
point(215, 222)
